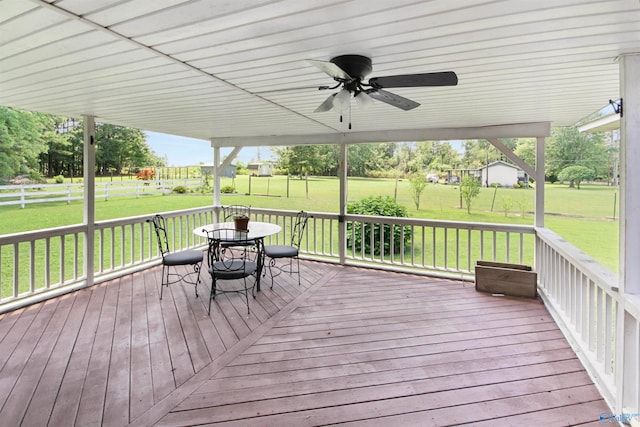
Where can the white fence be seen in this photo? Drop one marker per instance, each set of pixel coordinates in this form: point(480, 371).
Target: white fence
point(45, 193)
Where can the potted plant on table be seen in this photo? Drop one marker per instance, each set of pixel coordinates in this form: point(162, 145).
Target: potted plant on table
point(241, 222)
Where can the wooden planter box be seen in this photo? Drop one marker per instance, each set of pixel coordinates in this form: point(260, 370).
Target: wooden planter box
point(508, 279)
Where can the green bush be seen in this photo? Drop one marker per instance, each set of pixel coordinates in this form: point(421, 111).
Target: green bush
point(359, 234)
point(59, 179)
point(227, 189)
point(179, 189)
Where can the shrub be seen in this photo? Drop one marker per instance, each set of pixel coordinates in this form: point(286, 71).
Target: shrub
point(227, 189)
point(359, 234)
point(179, 189)
point(59, 179)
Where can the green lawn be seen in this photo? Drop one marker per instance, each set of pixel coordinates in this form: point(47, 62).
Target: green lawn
point(584, 217)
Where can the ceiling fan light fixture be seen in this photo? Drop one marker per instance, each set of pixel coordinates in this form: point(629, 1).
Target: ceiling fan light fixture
point(363, 100)
point(342, 99)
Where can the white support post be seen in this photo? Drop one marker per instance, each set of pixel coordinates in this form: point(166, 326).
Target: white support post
point(627, 334)
point(539, 178)
point(342, 225)
point(630, 174)
point(216, 181)
point(89, 166)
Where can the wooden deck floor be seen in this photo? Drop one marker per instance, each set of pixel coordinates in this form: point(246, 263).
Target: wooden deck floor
point(350, 346)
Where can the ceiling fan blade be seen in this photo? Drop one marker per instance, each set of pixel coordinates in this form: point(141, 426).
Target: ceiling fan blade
point(326, 105)
point(392, 99)
point(446, 78)
point(330, 68)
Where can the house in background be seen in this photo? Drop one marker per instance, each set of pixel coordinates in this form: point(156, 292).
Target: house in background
point(260, 168)
point(500, 172)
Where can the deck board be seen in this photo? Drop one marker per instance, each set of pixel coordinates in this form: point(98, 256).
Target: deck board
point(350, 345)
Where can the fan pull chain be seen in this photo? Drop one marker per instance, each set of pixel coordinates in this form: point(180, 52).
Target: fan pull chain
point(349, 116)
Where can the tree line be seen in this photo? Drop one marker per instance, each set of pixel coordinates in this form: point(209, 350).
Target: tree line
point(595, 155)
point(37, 145)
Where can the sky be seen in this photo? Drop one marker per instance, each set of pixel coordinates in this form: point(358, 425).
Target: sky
point(181, 151)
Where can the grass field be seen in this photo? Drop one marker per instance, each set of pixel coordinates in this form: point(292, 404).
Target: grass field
point(584, 217)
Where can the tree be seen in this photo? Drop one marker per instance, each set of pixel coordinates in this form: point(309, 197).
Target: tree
point(62, 148)
point(119, 147)
point(418, 182)
point(302, 159)
point(526, 150)
point(21, 142)
point(470, 189)
point(567, 147)
point(576, 174)
point(435, 156)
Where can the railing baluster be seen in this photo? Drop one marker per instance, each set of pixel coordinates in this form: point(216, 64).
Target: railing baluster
point(16, 269)
point(469, 244)
point(76, 258)
point(62, 258)
point(47, 262)
point(495, 258)
point(32, 266)
point(112, 242)
point(446, 249)
point(100, 241)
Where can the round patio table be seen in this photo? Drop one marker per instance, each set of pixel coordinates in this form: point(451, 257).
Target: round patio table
point(257, 231)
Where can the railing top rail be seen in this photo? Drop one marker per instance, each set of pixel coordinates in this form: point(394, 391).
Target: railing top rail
point(525, 229)
point(140, 218)
point(516, 228)
point(26, 236)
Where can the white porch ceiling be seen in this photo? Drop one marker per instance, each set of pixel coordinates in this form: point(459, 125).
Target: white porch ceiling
point(216, 68)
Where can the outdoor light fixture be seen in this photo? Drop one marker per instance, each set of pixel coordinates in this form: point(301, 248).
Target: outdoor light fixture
point(363, 100)
point(342, 99)
point(617, 106)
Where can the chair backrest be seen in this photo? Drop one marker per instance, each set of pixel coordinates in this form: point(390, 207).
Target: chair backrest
point(298, 228)
point(227, 245)
point(231, 211)
point(160, 226)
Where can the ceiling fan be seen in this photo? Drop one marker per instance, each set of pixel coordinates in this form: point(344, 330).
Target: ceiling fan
point(350, 70)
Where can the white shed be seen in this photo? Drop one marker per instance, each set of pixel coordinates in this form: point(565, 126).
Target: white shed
point(228, 172)
point(260, 168)
point(501, 173)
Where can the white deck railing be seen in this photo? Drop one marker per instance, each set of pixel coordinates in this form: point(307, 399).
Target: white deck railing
point(37, 263)
point(584, 298)
point(582, 295)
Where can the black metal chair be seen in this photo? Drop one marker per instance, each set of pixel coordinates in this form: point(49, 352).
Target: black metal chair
point(276, 252)
point(171, 260)
point(231, 211)
point(236, 265)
